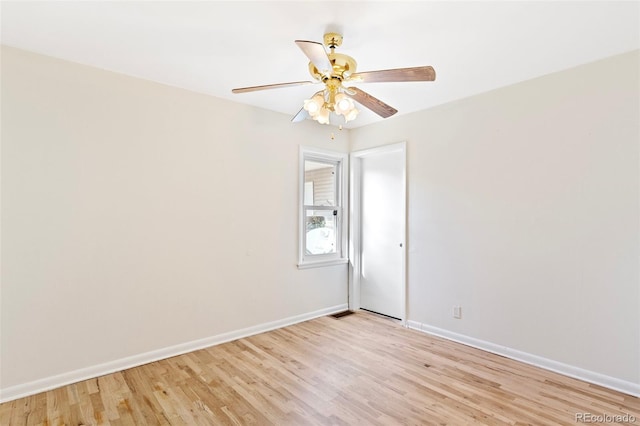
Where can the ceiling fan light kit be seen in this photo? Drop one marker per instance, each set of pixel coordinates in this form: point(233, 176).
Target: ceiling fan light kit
point(331, 99)
point(336, 69)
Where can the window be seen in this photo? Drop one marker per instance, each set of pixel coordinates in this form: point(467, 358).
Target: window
point(322, 224)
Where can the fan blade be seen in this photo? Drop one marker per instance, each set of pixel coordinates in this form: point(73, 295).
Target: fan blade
point(300, 116)
point(317, 55)
point(271, 86)
point(374, 104)
point(399, 74)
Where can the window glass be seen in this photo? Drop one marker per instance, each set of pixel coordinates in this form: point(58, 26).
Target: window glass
point(321, 232)
point(319, 183)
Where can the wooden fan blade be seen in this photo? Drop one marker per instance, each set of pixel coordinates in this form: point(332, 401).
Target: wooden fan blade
point(317, 55)
point(374, 104)
point(300, 116)
point(399, 74)
point(271, 86)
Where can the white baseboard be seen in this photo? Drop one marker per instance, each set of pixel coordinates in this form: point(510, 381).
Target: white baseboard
point(52, 382)
point(535, 360)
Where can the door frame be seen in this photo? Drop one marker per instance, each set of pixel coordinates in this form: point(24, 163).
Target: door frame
point(355, 222)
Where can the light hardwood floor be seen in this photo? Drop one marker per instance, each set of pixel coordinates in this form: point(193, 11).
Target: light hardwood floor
point(360, 369)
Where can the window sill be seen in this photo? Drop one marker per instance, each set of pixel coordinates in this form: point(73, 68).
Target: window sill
point(321, 263)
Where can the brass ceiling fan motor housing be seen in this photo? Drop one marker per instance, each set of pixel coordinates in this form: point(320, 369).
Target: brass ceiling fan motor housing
point(343, 65)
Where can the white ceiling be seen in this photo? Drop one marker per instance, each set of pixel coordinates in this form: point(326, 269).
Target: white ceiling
point(212, 47)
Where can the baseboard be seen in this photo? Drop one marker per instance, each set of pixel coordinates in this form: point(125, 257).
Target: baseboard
point(52, 382)
point(613, 383)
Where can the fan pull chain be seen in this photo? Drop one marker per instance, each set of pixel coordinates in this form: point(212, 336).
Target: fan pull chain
point(333, 136)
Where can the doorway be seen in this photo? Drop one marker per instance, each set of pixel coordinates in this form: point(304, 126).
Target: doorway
point(378, 231)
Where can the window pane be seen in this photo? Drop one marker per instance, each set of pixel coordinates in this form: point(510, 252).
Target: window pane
point(321, 232)
point(319, 183)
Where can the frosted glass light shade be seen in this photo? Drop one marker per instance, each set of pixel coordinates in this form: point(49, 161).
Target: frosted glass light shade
point(314, 105)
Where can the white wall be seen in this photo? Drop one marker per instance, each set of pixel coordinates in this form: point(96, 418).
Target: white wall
point(524, 210)
point(137, 216)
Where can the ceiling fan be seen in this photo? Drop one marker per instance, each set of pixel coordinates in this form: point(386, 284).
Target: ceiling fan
point(337, 72)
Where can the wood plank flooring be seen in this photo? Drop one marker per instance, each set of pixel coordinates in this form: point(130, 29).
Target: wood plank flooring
point(360, 369)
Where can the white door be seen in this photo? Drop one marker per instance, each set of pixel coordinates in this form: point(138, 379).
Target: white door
point(382, 231)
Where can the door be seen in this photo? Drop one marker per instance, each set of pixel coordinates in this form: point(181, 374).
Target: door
point(381, 193)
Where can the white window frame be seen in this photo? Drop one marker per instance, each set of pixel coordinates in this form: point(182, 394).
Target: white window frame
point(341, 160)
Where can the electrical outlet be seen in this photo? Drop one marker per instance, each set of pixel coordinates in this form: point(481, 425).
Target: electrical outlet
point(457, 312)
